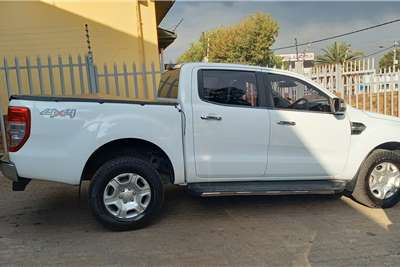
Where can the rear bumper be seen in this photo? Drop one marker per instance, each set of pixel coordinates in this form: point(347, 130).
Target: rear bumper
point(9, 170)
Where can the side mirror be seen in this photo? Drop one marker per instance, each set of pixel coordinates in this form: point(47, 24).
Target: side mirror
point(339, 106)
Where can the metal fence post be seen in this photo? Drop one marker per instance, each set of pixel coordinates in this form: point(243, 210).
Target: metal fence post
point(51, 78)
point(81, 81)
point(7, 77)
point(125, 69)
point(116, 79)
point(153, 79)
point(61, 72)
point(91, 75)
point(18, 75)
point(40, 75)
point(144, 76)
point(71, 74)
point(29, 74)
point(106, 79)
point(135, 80)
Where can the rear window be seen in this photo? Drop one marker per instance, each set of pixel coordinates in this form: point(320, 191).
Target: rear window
point(229, 87)
point(169, 84)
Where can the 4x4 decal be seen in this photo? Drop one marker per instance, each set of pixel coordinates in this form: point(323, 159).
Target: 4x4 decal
point(53, 113)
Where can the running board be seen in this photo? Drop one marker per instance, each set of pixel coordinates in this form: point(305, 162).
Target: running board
point(325, 187)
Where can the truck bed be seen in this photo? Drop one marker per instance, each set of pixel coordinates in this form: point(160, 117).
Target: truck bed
point(66, 131)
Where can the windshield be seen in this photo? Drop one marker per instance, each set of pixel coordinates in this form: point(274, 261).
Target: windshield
point(169, 84)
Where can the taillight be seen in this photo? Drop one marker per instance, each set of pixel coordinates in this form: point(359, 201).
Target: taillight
point(18, 127)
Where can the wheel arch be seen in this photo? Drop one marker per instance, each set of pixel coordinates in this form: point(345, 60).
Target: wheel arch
point(388, 146)
point(392, 145)
point(141, 148)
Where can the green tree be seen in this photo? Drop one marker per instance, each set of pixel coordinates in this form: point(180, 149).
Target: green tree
point(387, 60)
point(195, 53)
point(337, 53)
point(248, 42)
point(276, 61)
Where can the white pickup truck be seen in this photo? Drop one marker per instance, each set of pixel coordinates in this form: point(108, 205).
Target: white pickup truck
point(218, 129)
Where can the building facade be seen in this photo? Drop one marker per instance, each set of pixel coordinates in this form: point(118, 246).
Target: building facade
point(304, 61)
point(112, 32)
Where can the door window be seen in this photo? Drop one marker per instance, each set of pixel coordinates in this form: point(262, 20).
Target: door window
point(293, 94)
point(237, 88)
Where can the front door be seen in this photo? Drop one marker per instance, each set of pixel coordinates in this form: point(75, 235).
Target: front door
point(307, 140)
point(231, 131)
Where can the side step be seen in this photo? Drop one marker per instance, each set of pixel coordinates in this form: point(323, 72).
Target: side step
point(208, 189)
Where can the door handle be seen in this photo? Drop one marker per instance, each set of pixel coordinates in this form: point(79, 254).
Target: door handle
point(286, 123)
point(211, 117)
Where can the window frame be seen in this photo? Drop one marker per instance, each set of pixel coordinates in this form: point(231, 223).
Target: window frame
point(261, 94)
point(267, 82)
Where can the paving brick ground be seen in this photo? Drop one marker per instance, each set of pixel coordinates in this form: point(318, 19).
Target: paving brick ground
point(48, 225)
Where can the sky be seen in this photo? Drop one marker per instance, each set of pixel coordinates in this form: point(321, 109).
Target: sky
point(305, 21)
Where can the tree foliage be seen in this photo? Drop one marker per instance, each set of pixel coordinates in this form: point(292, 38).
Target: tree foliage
point(337, 53)
point(387, 60)
point(247, 42)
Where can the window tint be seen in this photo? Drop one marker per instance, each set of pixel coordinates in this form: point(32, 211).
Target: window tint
point(229, 87)
point(291, 93)
point(169, 84)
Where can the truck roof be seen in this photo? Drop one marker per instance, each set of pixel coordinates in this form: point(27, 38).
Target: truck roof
point(240, 66)
point(221, 65)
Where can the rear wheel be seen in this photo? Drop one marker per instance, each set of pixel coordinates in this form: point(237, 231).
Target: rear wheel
point(126, 193)
point(378, 182)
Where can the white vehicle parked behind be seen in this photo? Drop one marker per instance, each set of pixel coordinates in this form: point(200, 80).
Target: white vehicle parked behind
point(218, 129)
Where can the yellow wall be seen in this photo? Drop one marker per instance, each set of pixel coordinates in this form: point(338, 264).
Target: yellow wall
point(42, 28)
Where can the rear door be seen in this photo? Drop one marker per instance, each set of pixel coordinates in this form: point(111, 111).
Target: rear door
point(231, 129)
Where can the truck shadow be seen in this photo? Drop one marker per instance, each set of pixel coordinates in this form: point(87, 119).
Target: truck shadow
point(304, 229)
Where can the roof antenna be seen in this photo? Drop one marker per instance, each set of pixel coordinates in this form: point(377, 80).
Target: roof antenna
point(177, 25)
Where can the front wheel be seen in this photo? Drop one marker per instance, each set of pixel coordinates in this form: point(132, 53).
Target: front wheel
point(378, 181)
point(126, 193)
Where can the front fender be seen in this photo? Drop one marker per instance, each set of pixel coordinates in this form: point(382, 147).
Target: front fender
point(380, 130)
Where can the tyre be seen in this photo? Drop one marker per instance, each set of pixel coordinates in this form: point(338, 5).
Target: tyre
point(378, 181)
point(126, 193)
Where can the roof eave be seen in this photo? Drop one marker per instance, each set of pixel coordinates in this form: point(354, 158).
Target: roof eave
point(165, 37)
point(162, 8)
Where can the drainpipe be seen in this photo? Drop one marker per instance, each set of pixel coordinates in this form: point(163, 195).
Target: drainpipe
point(140, 33)
point(162, 60)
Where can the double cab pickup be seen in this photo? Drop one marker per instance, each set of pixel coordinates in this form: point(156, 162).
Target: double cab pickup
point(218, 129)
